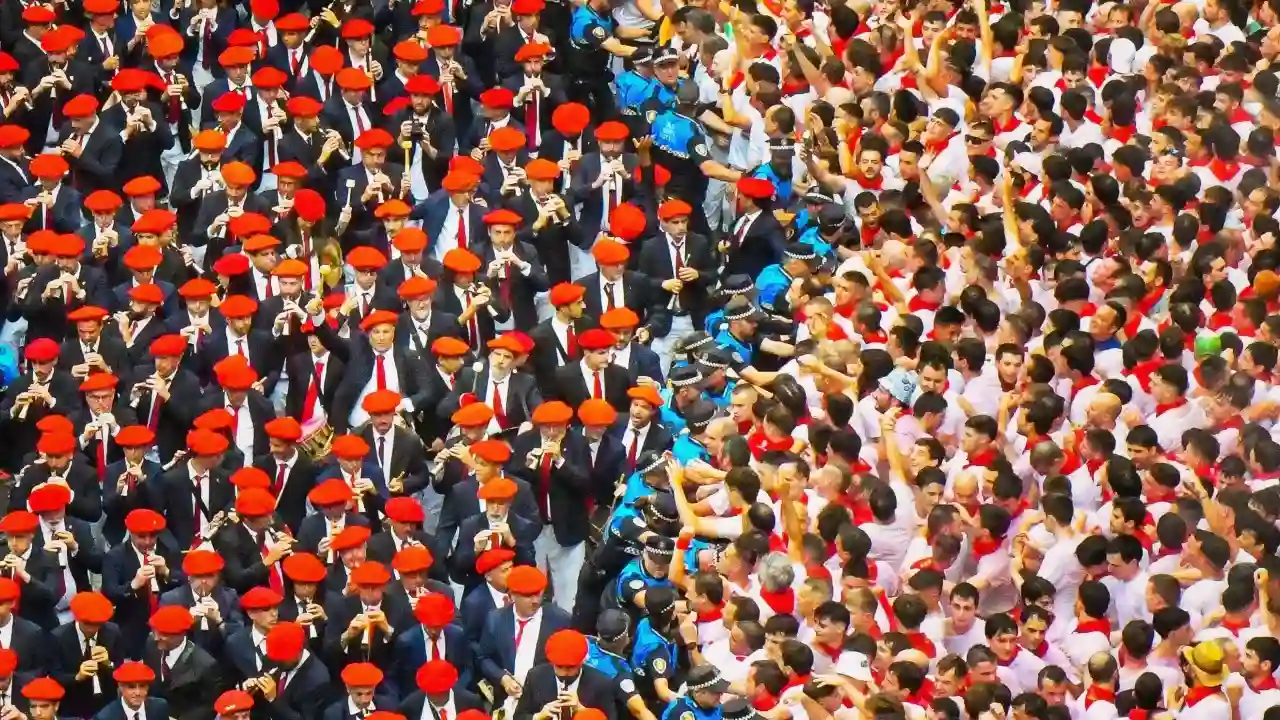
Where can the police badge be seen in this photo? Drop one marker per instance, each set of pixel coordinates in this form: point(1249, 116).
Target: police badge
point(659, 665)
point(598, 32)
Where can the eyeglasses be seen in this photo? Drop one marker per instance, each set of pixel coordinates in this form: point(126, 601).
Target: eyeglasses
point(975, 140)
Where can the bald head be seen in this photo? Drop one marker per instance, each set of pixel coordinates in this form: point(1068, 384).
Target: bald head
point(1105, 407)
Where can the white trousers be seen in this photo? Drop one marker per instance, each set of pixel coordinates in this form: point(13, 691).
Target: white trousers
point(563, 564)
point(681, 328)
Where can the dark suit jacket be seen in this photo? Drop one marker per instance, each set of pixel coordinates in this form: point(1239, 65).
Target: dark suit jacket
point(213, 638)
point(521, 398)
point(259, 407)
point(196, 681)
point(442, 133)
point(477, 605)
point(552, 242)
point(291, 503)
point(173, 418)
point(315, 528)
point(66, 215)
point(655, 262)
point(153, 707)
point(481, 328)
point(81, 478)
point(338, 710)
point(411, 651)
point(109, 346)
point(517, 290)
point(359, 357)
point(593, 199)
point(461, 503)
point(14, 181)
point(99, 159)
point(65, 658)
point(549, 352)
point(464, 92)
point(184, 199)
point(263, 349)
point(133, 607)
point(306, 693)
point(436, 208)
point(140, 155)
point(363, 224)
point(124, 415)
point(381, 651)
point(32, 646)
point(497, 651)
point(214, 204)
point(541, 686)
point(567, 486)
point(137, 494)
point(572, 389)
point(439, 324)
point(636, 292)
point(175, 493)
point(463, 559)
point(413, 705)
point(408, 458)
point(658, 438)
point(373, 502)
point(302, 365)
point(48, 317)
point(759, 248)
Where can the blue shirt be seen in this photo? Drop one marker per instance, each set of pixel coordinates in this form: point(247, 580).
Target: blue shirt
point(772, 281)
point(743, 351)
point(653, 656)
point(634, 90)
point(686, 449)
point(782, 188)
point(635, 579)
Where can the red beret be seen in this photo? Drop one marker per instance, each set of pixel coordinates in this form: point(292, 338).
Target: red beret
point(490, 559)
point(565, 294)
point(436, 677)
point(172, 619)
point(285, 642)
point(143, 521)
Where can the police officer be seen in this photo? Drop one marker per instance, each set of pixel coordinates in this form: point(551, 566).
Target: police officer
point(623, 541)
point(687, 351)
point(680, 145)
point(739, 336)
point(605, 653)
point(733, 286)
point(591, 48)
point(703, 688)
point(641, 575)
point(690, 446)
point(718, 386)
point(666, 74)
point(636, 85)
point(649, 478)
point(656, 655)
point(778, 170)
point(822, 224)
point(798, 260)
point(684, 386)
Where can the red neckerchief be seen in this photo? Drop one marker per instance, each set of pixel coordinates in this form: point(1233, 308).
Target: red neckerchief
point(1167, 551)
point(1161, 494)
point(1147, 542)
point(922, 643)
point(925, 564)
point(1235, 422)
point(1014, 656)
point(1268, 683)
point(1219, 320)
point(1121, 133)
point(1224, 170)
point(936, 146)
point(868, 233)
point(764, 701)
point(1240, 115)
point(1081, 383)
point(1199, 162)
point(782, 603)
point(1235, 626)
point(918, 303)
point(1096, 693)
point(831, 652)
point(982, 458)
point(1142, 372)
point(794, 87)
point(1070, 464)
point(715, 613)
point(1029, 188)
point(1099, 626)
point(866, 184)
point(878, 337)
point(845, 311)
point(1162, 408)
point(760, 443)
point(1098, 74)
point(1013, 124)
point(983, 547)
point(1198, 693)
point(1040, 651)
point(1088, 310)
point(795, 681)
point(1149, 301)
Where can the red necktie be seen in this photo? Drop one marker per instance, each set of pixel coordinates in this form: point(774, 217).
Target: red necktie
point(359, 122)
point(313, 394)
point(631, 451)
point(48, 217)
point(544, 485)
point(435, 650)
point(499, 406)
point(679, 257)
point(281, 471)
point(206, 45)
point(262, 45)
point(273, 571)
point(102, 461)
point(531, 118)
point(520, 625)
point(462, 229)
point(570, 343)
point(447, 91)
point(240, 348)
point(153, 417)
point(174, 114)
point(610, 302)
point(106, 50)
point(382, 372)
point(295, 62)
point(235, 423)
point(597, 391)
point(271, 292)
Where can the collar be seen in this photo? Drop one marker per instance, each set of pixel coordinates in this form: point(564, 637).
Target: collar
point(1097, 693)
point(1099, 626)
point(1198, 693)
point(1162, 408)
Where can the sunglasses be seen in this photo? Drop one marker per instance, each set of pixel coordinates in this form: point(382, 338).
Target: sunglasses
point(975, 140)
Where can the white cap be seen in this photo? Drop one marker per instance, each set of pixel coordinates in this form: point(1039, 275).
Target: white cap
point(854, 665)
point(1120, 56)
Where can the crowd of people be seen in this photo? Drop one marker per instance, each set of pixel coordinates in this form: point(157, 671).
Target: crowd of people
point(643, 359)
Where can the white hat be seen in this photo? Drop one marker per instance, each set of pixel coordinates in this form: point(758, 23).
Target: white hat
point(854, 665)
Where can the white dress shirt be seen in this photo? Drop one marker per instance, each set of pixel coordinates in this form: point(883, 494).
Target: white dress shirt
point(527, 650)
point(358, 414)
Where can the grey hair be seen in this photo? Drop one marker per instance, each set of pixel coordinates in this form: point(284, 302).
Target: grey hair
point(776, 572)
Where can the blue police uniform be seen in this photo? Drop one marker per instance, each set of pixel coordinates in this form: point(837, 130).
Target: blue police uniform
point(781, 188)
point(811, 237)
point(773, 280)
point(634, 579)
point(633, 90)
point(721, 399)
point(684, 708)
point(668, 415)
point(680, 145)
point(614, 667)
point(653, 657)
point(715, 322)
point(588, 30)
point(686, 449)
point(743, 351)
point(661, 98)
